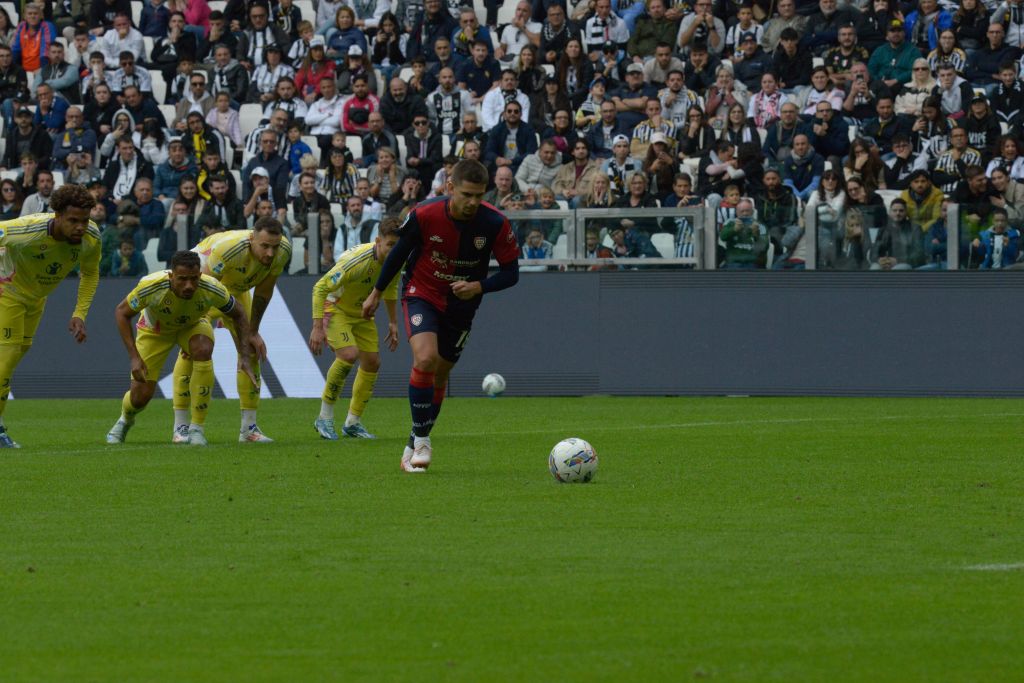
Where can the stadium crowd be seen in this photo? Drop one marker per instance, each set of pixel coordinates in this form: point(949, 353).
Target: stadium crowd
point(870, 117)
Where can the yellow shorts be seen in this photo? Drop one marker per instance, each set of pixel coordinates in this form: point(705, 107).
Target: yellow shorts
point(154, 347)
point(346, 330)
point(217, 316)
point(18, 320)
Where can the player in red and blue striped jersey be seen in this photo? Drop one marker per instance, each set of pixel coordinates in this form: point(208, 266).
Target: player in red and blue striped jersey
point(446, 245)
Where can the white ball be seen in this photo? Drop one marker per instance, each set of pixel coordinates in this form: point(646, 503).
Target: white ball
point(494, 384)
point(573, 461)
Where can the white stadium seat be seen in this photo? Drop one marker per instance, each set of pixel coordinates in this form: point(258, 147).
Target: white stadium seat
point(150, 254)
point(664, 242)
point(506, 13)
point(298, 254)
point(355, 145)
point(136, 13)
point(12, 12)
point(147, 48)
point(168, 111)
point(402, 151)
point(561, 249)
point(9, 174)
point(249, 116)
point(313, 145)
point(216, 5)
point(306, 10)
point(887, 196)
point(159, 86)
point(405, 74)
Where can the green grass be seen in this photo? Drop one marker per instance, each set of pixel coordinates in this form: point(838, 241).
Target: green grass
point(731, 539)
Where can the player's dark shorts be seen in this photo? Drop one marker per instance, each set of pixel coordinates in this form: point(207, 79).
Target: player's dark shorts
point(452, 331)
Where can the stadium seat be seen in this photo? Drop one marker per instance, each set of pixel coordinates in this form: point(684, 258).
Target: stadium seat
point(405, 74)
point(446, 145)
point(664, 242)
point(147, 48)
point(549, 69)
point(355, 145)
point(12, 12)
point(237, 175)
point(506, 13)
point(9, 174)
point(763, 133)
point(249, 116)
point(382, 87)
point(159, 86)
point(1004, 127)
point(136, 14)
point(337, 213)
point(561, 249)
point(692, 165)
point(168, 111)
point(887, 196)
point(854, 130)
point(58, 178)
point(313, 145)
point(306, 10)
point(298, 254)
point(562, 204)
point(817, 61)
point(150, 254)
point(219, 5)
point(402, 151)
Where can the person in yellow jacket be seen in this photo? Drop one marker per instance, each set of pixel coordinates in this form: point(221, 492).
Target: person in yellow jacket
point(37, 252)
point(337, 319)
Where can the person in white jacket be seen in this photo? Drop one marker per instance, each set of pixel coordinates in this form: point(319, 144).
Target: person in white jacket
point(495, 100)
point(324, 115)
point(120, 39)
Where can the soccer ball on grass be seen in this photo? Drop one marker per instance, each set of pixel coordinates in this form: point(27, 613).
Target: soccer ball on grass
point(494, 384)
point(573, 461)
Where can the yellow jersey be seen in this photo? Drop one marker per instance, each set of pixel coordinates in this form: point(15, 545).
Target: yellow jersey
point(345, 287)
point(227, 256)
point(165, 312)
point(33, 263)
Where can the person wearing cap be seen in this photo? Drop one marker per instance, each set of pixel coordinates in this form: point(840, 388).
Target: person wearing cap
point(603, 27)
point(545, 105)
point(893, 62)
point(982, 126)
point(253, 41)
point(620, 166)
point(423, 147)
point(312, 68)
point(841, 58)
point(26, 137)
point(77, 134)
point(121, 38)
point(493, 105)
point(631, 99)
point(261, 191)
point(589, 112)
point(265, 77)
point(354, 63)
point(701, 27)
point(793, 63)
point(786, 18)
point(750, 62)
point(651, 30)
point(924, 24)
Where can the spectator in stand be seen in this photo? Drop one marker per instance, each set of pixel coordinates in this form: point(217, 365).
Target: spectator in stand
point(197, 100)
point(511, 140)
point(32, 39)
point(540, 168)
point(914, 93)
point(356, 229)
point(405, 200)
point(386, 175)
point(541, 108)
point(13, 84)
point(802, 171)
point(629, 242)
point(750, 62)
point(276, 167)
point(703, 28)
point(435, 22)
point(341, 179)
point(746, 239)
point(951, 166)
point(102, 14)
point(387, 51)
point(574, 179)
point(631, 99)
point(828, 204)
point(355, 112)
point(265, 78)
point(468, 132)
point(575, 72)
point(924, 25)
point(983, 64)
point(128, 260)
point(26, 137)
point(603, 27)
point(865, 163)
point(652, 31)
point(1007, 99)
point(839, 59)
point(223, 211)
point(892, 63)
point(254, 40)
point(738, 129)
point(423, 148)
point(446, 105)
point(1009, 195)
point(168, 175)
point(701, 70)
point(862, 93)
point(1009, 158)
point(77, 133)
point(887, 125)
point(39, 202)
point(792, 63)
point(152, 213)
point(199, 137)
point(831, 133)
point(953, 92)
point(974, 195)
point(1000, 244)
point(676, 99)
point(820, 90)
point(11, 200)
point(530, 75)
point(519, 33)
point(786, 18)
point(60, 75)
point(399, 107)
point(443, 57)
point(220, 33)
point(504, 187)
point(229, 76)
point(494, 101)
point(555, 33)
point(100, 110)
point(643, 132)
point(129, 74)
point(286, 99)
point(80, 170)
point(620, 166)
point(743, 26)
point(725, 93)
point(903, 163)
point(315, 67)
point(766, 106)
point(823, 26)
point(353, 64)
point(777, 209)
point(324, 115)
point(874, 21)
point(899, 245)
point(124, 169)
point(696, 136)
point(982, 126)
point(225, 119)
point(154, 20)
point(377, 137)
point(480, 73)
point(469, 32)
point(7, 28)
point(308, 203)
point(660, 166)
point(778, 142)
point(121, 38)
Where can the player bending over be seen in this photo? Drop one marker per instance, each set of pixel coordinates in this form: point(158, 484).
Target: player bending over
point(240, 260)
point(174, 304)
point(338, 317)
point(446, 244)
point(37, 252)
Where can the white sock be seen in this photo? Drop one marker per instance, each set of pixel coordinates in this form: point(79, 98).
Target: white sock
point(193, 427)
point(326, 410)
point(352, 419)
point(248, 419)
point(181, 417)
point(418, 441)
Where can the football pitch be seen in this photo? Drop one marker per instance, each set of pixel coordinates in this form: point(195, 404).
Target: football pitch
point(723, 538)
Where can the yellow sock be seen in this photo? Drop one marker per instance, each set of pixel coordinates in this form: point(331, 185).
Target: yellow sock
point(182, 380)
point(201, 389)
point(129, 411)
point(9, 357)
point(362, 390)
point(336, 376)
point(249, 393)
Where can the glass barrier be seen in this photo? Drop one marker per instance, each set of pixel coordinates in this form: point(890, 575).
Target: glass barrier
point(989, 239)
point(641, 238)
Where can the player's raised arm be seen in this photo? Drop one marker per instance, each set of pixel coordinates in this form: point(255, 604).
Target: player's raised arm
point(123, 315)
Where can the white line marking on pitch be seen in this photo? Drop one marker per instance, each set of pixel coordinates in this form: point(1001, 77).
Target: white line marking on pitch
point(1011, 567)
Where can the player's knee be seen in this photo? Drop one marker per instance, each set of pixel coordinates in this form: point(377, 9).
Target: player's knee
point(142, 393)
point(347, 354)
point(369, 362)
point(200, 348)
point(425, 362)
